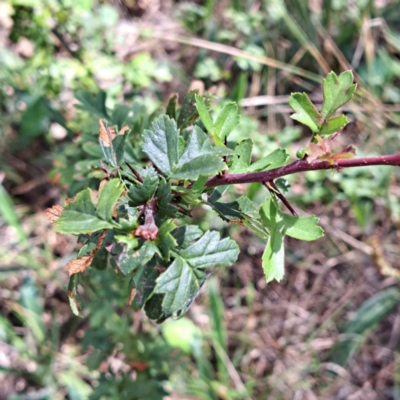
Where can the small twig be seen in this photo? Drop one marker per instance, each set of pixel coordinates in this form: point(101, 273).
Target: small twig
point(270, 185)
point(183, 211)
point(60, 37)
point(138, 176)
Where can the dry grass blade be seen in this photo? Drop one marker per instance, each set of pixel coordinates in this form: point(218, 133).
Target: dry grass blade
point(233, 51)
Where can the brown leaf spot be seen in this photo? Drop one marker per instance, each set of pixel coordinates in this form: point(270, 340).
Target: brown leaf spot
point(132, 296)
point(53, 213)
point(106, 134)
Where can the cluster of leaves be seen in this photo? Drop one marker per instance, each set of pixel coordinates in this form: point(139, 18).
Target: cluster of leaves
point(138, 223)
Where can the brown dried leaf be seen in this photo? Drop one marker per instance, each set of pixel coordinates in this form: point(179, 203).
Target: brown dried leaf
point(79, 265)
point(315, 152)
point(70, 200)
point(53, 213)
point(106, 134)
point(99, 243)
point(123, 130)
point(132, 296)
point(102, 183)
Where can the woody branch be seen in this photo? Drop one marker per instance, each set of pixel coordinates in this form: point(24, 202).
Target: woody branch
point(303, 166)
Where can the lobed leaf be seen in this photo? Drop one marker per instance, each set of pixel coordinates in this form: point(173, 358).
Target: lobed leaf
point(140, 193)
point(142, 284)
point(171, 107)
point(210, 251)
point(127, 260)
point(161, 144)
point(180, 284)
point(205, 165)
point(242, 157)
point(188, 112)
point(333, 125)
point(96, 105)
point(273, 259)
point(302, 228)
point(305, 111)
point(276, 159)
point(165, 241)
point(186, 235)
point(109, 195)
point(337, 91)
point(226, 121)
point(79, 216)
point(203, 113)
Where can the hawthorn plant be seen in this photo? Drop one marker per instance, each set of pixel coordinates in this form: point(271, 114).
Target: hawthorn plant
point(136, 222)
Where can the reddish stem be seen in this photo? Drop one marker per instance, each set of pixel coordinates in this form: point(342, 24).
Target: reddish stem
point(302, 166)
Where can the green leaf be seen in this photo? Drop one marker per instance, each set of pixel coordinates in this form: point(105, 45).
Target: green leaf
point(247, 207)
point(143, 281)
point(273, 259)
point(171, 107)
point(276, 159)
point(154, 309)
point(199, 184)
point(118, 145)
point(186, 235)
point(337, 91)
point(199, 144)
point(165, 241)
point(210, 251)
point(164, 206)
point(269, 214)
point(203, 113)
point(180, 284)
point(161, 144)
point(93, 149)
point(302, 228)
point(188, 112)
point(200, 157)
point(109, 195)
point(305, 111)
point(113, 148)
point(80, 216)
point(75, 300)
point(205, 165)
point(274, 253)
point(242, 157)
point(127, 260)
point(226, 121)
point(333, 125)
point(119, 115)
point(142, 192)
point(182, 280)
point(95, 105)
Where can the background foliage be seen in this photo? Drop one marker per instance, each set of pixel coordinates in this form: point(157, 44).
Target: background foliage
point(329, 330)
